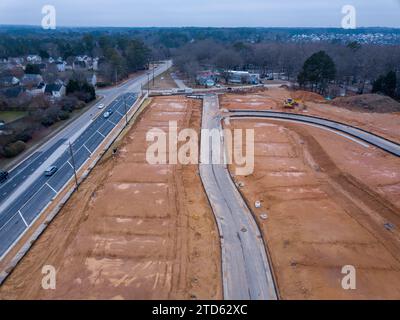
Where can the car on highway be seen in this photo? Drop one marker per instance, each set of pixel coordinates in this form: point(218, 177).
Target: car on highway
point(100, 106)
point(50, 171)
point(106, 114)
point(3, 176)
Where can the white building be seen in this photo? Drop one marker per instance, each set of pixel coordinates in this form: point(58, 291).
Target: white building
point(34, 58)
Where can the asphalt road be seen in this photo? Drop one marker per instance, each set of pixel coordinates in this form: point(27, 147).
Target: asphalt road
point(21, 212)
point(375, 140)
point(246, 271)
point(28, 166)
point(28, 191)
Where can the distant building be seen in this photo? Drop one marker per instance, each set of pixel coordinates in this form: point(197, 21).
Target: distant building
point(9, 81)
point(31, 80)
point(206, 78)
point(241, 77)
point(79, 65)
point(33, 58)
point(92, 80)
point(39, 89)
point(42, 66)
point(13, 92)
point(60, 66)
point(55, 90)
point(16, 60)
point(95, 65)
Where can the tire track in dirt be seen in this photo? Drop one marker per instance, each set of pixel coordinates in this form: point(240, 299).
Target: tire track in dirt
point(358, 198)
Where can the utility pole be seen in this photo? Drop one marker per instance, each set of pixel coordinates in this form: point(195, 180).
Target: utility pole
point(153, 72)
point(148, 83)
point(73, 165)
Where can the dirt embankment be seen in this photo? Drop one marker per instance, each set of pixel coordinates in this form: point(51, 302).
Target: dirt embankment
point(368, 103)
point(133, 231)
point(329, 202)
point(384, 124)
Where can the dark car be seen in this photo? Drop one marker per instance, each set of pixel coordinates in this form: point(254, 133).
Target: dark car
point(50, 171)
point(3, 176)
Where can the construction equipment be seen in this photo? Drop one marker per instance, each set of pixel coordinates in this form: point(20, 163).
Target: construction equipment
point(291, 103)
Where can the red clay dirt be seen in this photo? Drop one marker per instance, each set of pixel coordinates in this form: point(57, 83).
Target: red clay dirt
point(384, 124)
point(327, 201)
point(133, 231)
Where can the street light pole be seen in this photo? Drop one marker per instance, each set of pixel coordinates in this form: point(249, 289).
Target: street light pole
point(73, 165)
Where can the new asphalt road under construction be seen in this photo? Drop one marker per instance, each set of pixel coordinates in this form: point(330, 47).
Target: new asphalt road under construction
point(246, 271)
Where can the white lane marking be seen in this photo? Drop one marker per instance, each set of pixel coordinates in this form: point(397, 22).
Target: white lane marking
point(114, 124)
point(47, 184)
point(23, 219)
point(87, 149)
point(100, 133)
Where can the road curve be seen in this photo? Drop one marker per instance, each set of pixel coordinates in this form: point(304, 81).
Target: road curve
point(375, 140)
point(245, 267)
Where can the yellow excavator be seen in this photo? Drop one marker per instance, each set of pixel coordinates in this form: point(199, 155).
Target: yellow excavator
point(291, 103)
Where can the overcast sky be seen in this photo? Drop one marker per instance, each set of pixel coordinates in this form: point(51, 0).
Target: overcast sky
point(225, 13)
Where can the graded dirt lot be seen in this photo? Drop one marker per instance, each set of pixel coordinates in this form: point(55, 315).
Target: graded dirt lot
point(327, 200)
point(384, 124)
point(134, 230)
point(163, 82)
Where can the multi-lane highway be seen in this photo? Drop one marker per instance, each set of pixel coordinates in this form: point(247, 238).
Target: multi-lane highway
point(28, 166)
point(17, 215)
point(245, 267)
point(28, 191)
point(375, 140)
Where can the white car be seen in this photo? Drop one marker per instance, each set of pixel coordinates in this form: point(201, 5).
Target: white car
point(106, 114)
point(100, 106)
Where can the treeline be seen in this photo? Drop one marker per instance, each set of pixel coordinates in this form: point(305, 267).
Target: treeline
point(120, 54)
point(354, 63)
point(42, 114)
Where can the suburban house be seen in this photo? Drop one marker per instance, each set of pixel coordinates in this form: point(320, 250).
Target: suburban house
point(95, 64)
point(32, 80)
point(42, 66)
point(207, 78)
point(9, 81)
point(55, 90)
point(36, 90)
point(12, 92)
point(60, 66)
point(92, 80)
point(79, 65)
point(33, 58)
point(240, 77)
